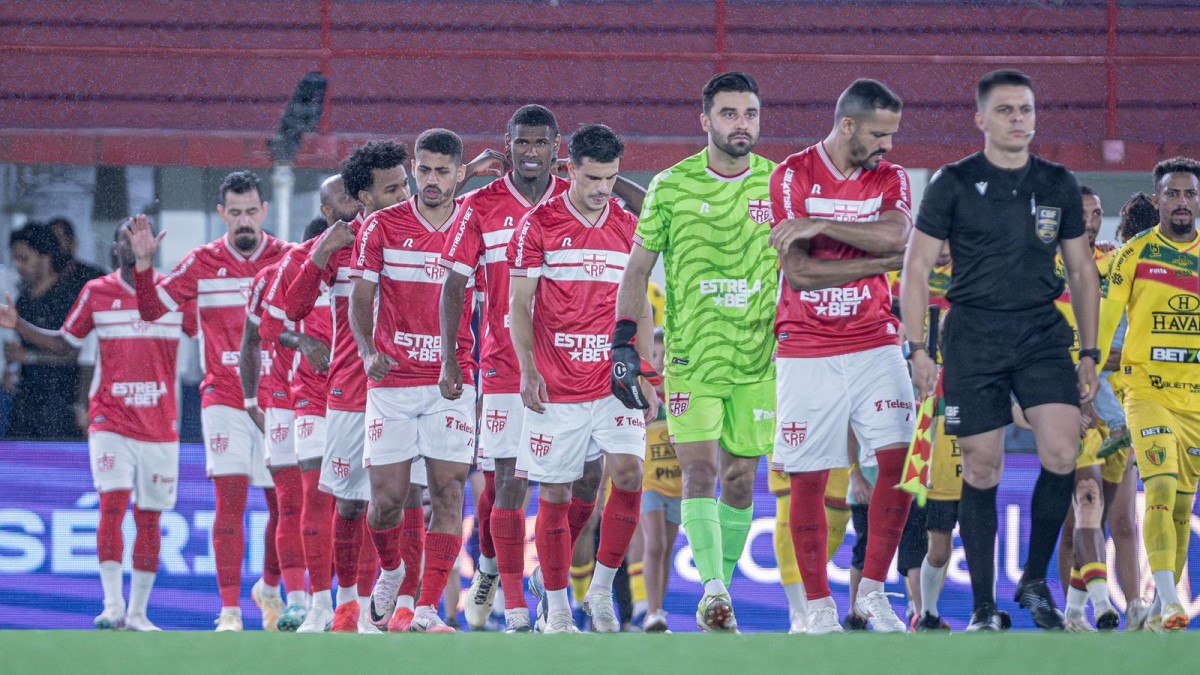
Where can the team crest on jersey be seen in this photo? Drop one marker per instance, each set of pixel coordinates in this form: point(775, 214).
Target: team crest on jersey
point(760, 211)
point(140, 327)
point(539, 444)
point(1048, 220)
point(304, 429)
point(793, 434)
point(1156, 455)
point(279, 433)
point(341, 468)
point(594, 264)
point(219, 444)
point(495, 420)
point(106, 462)
point(677, 403)
point(375, 430)
point(433, 269)
point(116, 304)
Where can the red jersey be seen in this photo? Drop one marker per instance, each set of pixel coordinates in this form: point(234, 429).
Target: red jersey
point(218, 278)
point(400, 251)
point(309, 388)
point(487, 220)
point(347, 378)
point(844, 319)
point(133, 387)
point(580, 267)
point(275, 387)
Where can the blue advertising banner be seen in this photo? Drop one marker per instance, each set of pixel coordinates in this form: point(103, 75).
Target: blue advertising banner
point(49, 573)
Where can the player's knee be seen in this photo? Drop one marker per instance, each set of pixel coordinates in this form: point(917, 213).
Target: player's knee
point(351, 509)
point(982, 475)
point(510, 491)
point(627, 476)
point(699, 479)
point(589, 483)
point(1089, 504)
point(1059, 459)
point(737, 485)
point(1122, 525)
point(556, 493)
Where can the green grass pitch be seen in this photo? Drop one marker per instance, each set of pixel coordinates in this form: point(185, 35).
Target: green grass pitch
point(96, 653)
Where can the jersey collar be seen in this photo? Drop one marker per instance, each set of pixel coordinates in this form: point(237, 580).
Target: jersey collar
point(720, 176)
point(835, 172)
point(428, 225)
point(584, 221)
point(1182, 248)
point(516, 194)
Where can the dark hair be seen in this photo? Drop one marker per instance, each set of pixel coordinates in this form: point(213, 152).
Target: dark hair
point(533, 115)
point(730, 81)
point(597, 143)
point(357, 169)
point(441, 142)
point(1000, 78)
point(67, 226)
point(240, 183)
point(1087, 191)
point(863, 97)
point(1175, 165)
point(315, 227)
point(39, 237)
point(1137, 215)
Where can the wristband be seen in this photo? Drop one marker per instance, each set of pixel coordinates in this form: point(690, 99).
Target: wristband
point(250, 403)
point(625, 333)
point(1093, 354)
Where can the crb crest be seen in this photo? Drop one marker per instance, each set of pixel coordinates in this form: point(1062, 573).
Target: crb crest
point(793, 434)
point(434, 269)
point(678, 402)
point(539, 444)
point(1048, 220)
point(594, 264)
point(496, 420)
point(760, 211)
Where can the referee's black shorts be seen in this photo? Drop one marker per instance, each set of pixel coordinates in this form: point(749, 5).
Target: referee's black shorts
point(991, 355)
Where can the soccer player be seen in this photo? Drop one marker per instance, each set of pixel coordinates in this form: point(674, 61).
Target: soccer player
point(375, 176)
point(406, 416)
point(1082, 555)
point(567, 258)
point(132, 440)
point(707, 216)
point(217, 277)
point(1153, 280)
point(1005, 212)
point(662, 492)
point(841, 214)
point(312, 336)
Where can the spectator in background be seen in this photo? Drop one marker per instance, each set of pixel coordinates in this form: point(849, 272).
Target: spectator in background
point(75, 272)
point(46, 387)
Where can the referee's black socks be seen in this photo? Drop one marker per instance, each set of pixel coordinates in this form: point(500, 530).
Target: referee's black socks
point(1047, 510)
point(977, 529)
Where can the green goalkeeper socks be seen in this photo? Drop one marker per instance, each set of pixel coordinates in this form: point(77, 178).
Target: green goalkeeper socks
point(703, 528)
point(735, 529)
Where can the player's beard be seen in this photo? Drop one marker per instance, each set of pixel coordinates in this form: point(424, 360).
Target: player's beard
point(859, 156)
point(1182, 224)
point(441, 199)
point(245, 239)
point(728, 147)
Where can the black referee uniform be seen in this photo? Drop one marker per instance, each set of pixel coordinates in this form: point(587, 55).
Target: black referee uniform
point(1004, 338)
point(1004, 334)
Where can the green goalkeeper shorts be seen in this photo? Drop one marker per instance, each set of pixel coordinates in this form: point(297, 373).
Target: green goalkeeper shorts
point(741, 416)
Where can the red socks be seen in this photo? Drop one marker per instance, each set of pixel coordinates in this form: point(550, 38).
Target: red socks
point(289, 494)
point(229, 536)
point(271, 571)
point(887, 514)
point(508, 533)
point(441, 550)
point(368, 564)
point(387, 543)
point(347, 545)
point(317, 532)
point(553, 538)
point(578, 516)
point(810, 530)
point(110, 543)
point(412, 547)
point(483, 510)
point(147, 542)
point(617, 525)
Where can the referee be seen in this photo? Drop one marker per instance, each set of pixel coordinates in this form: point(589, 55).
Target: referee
point(1005, 213)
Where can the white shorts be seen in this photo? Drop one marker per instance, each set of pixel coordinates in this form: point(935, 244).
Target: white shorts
point(280, 441)
point(151, 470)
point(342, 472)
point(233, 445)
point(817, 400)
point(500, 429)
point(310, 437)
point(556, 444)
point(410, 422)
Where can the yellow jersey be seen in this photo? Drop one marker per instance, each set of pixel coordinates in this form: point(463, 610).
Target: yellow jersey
point(939, 283)
point(945, 471)
point(661, 472)
point(1063, 302)
point(1153, 281)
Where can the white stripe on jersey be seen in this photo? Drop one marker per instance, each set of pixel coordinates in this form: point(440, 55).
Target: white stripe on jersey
point(495, 255)
point(610, 274)
point(499, 237)
point(165, 298)
point(223, 299)
point(581, 256)
point(114, 316)
point(222, 284)
point(409, 274)
point(141, 330)
point(400, 256)
point(844, 209)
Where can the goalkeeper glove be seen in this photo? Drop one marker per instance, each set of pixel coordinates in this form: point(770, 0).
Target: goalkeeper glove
point(628, 365)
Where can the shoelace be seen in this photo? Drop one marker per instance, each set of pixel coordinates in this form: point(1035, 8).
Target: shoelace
point(486, 582)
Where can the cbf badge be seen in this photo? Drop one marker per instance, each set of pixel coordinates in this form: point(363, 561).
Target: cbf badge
point(1048, 220)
